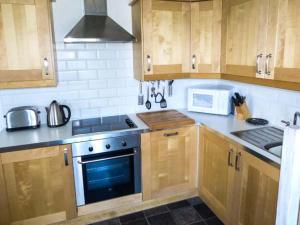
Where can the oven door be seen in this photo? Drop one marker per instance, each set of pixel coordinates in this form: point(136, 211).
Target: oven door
point(107, 175)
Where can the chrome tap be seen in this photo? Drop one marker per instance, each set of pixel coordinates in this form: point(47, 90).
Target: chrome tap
point(296, 115)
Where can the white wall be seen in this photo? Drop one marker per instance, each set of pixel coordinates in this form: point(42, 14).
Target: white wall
point(97, 79)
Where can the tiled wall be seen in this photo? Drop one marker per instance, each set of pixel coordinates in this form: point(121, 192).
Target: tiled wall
point(97, 80)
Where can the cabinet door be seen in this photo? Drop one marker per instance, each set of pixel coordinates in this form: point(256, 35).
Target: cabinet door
point(216, 172)
point(166, 33)
point(246, 35)
point(288, 43)
point(26, 56)
point(206, 19)
point(169, 160)
point(259, 190)
point(39, 185)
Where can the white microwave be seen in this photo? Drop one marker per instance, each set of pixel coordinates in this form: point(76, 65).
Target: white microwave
point(213, 99)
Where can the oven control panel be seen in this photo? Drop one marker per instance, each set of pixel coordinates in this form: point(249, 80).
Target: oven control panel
point(106, 145)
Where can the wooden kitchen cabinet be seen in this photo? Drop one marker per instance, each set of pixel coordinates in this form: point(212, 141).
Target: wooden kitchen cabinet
point(250, 36)
point(37, 186)
point(26, 52)
point(258, 192)
point(206, 19)
point(287, 66)
point(176, 39)
point(169, 161)
point(239, 187)
point(216, 173)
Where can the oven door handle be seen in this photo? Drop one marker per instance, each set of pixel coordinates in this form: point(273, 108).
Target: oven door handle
point(104, 159)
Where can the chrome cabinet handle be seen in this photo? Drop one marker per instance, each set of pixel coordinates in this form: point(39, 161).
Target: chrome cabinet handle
point(46, 66)
point(194, 62)
point(237, 162)
point(230, 153)
point(258, 58)
point(267, 69)
point(171, 134)
point(148, 63)
point(104, 159)
point(66, 157)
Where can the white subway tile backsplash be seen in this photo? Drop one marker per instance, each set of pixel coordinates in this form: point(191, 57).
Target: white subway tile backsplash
point(65, 55)
point(88, 94)
point(87, 54)
point(76, 65)
point(67, 75)
point(97, 80)
point(97, 84)
point(96, 64)
point(87, 75)
point(106, 54)
point(75, 46)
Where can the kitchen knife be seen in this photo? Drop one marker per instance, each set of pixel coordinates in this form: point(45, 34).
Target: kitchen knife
point(235, 101)
point(239, 98)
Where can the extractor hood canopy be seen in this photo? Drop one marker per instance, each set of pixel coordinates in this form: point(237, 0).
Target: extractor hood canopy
point(97, 26)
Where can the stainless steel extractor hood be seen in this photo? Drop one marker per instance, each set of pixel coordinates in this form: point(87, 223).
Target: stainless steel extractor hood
point(97, 26)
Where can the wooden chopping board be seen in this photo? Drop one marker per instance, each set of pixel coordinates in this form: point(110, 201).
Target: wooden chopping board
point(168, 119)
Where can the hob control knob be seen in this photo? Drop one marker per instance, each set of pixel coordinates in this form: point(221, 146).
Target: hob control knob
point(91, 149)
point(107, 146)
point(124, 144)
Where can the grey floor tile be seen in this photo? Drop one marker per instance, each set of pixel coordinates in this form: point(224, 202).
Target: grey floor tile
point(195, 201)
point(199, 223)
point(213, 221)
point(156, 211)
point(179, 204)
point(108, 222)
point(185, 215)
point(141, 221)
point(132, 217)
point(162, 219)
point(204, 211)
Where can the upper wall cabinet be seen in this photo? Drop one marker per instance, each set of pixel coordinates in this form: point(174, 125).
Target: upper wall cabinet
point(206, 18)
point(246, 27)
point(26, 52)
point(288, 42)
point(175, 38)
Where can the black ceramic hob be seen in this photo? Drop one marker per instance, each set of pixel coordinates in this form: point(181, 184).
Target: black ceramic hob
point(102, 124)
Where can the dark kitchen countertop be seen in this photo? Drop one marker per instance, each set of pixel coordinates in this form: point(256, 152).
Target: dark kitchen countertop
point(44, 136)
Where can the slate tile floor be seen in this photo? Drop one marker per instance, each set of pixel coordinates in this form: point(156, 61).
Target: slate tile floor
point(187, 212)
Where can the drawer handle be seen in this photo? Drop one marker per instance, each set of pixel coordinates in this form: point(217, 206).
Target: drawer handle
point(230, 153)
point(237, 162)
point(171, 134)
point(66, 157)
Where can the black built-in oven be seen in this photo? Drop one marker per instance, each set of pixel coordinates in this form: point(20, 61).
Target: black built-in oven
point(107, 168)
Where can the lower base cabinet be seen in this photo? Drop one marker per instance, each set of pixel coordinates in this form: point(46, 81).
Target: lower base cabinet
point(239, 187)
point(169, 162)
point(37, 186)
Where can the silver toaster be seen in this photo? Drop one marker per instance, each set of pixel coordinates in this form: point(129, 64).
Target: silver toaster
point(25, 117)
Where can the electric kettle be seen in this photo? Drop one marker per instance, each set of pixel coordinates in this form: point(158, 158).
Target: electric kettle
point(56, 115)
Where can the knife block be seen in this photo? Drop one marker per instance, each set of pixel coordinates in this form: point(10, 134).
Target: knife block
point(242, 112)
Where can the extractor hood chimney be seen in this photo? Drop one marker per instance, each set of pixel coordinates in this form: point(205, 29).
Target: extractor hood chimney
point(97, 26)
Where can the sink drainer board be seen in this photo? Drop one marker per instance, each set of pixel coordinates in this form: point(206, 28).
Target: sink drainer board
point(264, 137)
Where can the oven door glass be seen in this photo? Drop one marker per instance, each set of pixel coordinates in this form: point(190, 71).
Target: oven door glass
point(108, 175)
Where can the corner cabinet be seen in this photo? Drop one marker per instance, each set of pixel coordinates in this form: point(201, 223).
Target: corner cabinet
point(239, 187)
point(169, 162)
point(176, 38)
point(37, 186)
point(26, 52)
